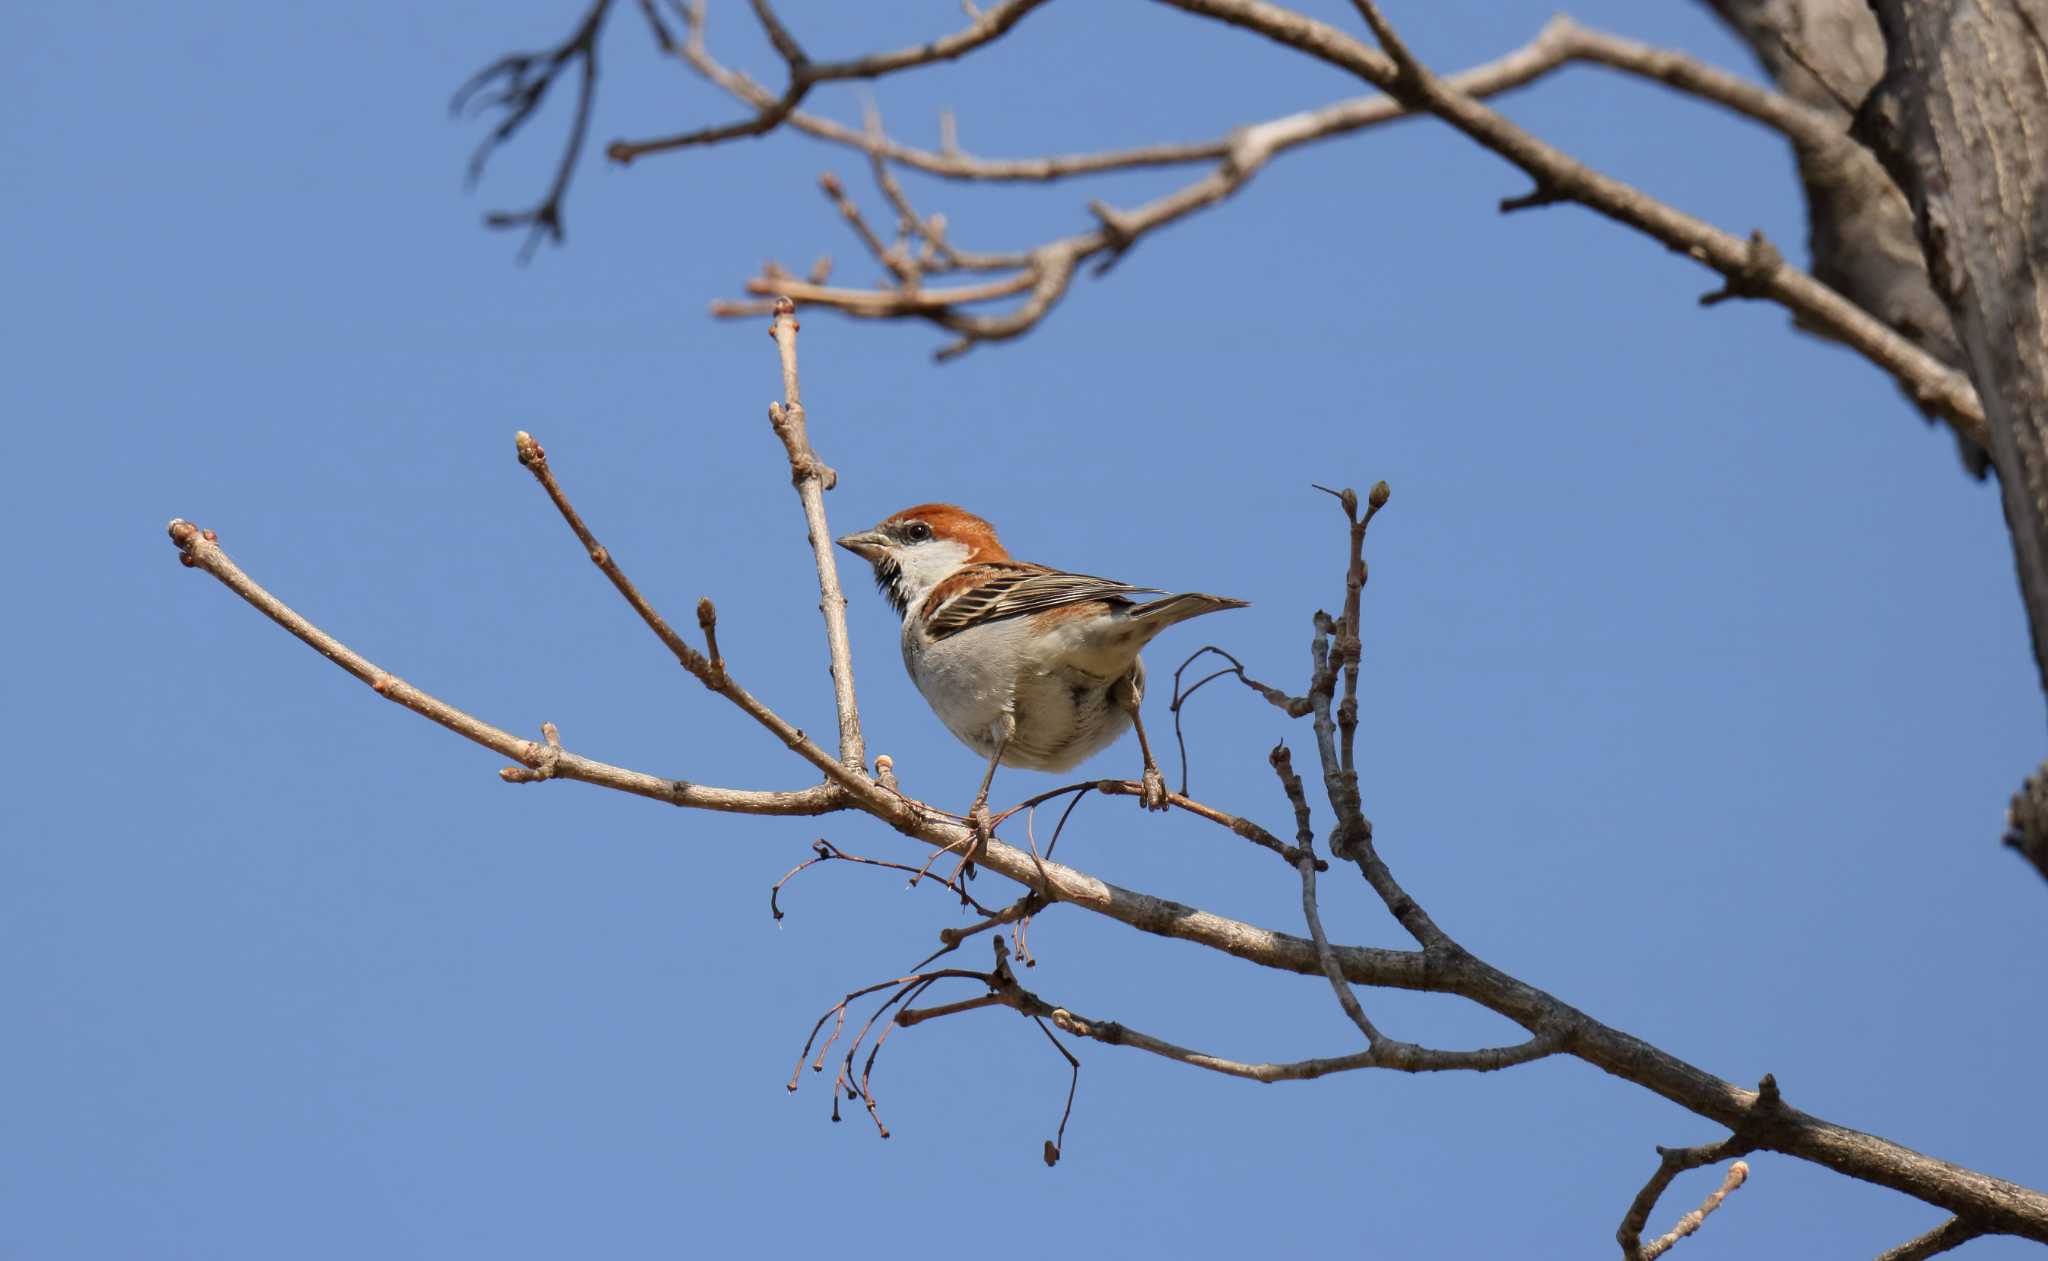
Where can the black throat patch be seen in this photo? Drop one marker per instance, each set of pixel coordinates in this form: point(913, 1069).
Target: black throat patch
point(889, 581)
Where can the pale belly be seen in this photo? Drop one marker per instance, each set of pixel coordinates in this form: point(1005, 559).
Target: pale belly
point(1064, 714)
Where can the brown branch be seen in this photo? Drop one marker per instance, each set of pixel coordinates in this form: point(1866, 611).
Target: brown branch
point(1560, 177)
point(201, 550)
point(1292, 706)
point(896, 260)
point(1952, 1233)
point(1672, 1161)
point(1441, 966)
point(1930, 383)
point(812, 480)
point(1054, 1145)
point(2001, 1206)
point(1283, 766)
point(535, 458)
point(824, 851)
point(1243, 827)
point(1046, 271)
point(517, 84)
point(1750, 268)
point(805, 74)
point(1398, 1057)
point(1738, 1173)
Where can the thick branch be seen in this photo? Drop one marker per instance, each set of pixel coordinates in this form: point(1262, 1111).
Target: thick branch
point(1560, 177)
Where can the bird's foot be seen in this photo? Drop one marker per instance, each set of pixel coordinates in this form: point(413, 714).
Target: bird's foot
point(1152, 789)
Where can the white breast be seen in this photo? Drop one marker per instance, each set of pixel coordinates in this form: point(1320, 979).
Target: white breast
point(1056, 686)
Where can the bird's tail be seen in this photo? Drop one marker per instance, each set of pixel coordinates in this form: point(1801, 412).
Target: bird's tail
point(1160, 614)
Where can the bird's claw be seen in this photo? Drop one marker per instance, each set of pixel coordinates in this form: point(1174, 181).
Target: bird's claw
point(1152, 789)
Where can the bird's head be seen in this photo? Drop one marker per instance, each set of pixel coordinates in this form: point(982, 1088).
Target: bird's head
point(916, 549)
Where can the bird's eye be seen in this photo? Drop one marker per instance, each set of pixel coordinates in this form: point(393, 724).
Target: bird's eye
point(916, 532)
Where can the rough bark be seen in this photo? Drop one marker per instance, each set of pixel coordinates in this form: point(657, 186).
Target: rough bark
point(1957, 120)
point(1828, 54)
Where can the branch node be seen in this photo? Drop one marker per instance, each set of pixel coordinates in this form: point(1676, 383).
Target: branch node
point(1751, 278)
point(1544, 194)
point(542, 759)
point(707, 621)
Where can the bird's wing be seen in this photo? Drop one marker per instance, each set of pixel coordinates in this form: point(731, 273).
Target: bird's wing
point(993, 591)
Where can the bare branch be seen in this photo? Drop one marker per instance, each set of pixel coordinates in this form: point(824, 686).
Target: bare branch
point(1292, 706)
point(535, 458)
point(201, 550)
point(1053, 1145)
point(824, 851)
point(1406, 1059)
point(1283, 766)
point(1738, 1173)
point(2002, 1206)
point(1558, 176)
point(1672, 1161)
point(804, 74)
point(517, 84)
point(812, 480)
point(1759, 1117)
point(1952, 1233)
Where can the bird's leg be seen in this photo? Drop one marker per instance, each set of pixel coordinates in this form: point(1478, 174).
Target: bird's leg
point(977, 815)
point(1128, 692)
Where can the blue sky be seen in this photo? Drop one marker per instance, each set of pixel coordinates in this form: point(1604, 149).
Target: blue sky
point(1695, 674)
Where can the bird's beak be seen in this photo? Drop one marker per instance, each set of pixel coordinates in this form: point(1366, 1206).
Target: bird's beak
point(868, 545)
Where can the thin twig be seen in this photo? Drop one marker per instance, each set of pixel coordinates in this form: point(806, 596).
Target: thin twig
point(1283, 766)
point(804, 74)
point(1292, 706)
point(1738, 1173)
point(535, 458)
point(1952, 1233)
point(517, 84)
point(1672, 1161)
point(200, 550)
point(824, 851)
point(812, 480)
point(1057, 1143)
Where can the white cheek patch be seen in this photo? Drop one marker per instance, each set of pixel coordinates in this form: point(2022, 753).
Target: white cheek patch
point(928, 564)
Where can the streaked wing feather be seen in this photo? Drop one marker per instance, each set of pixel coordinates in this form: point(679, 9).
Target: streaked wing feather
point(1011, 590)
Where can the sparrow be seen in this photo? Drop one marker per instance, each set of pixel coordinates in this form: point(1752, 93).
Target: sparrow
point(1028, 666)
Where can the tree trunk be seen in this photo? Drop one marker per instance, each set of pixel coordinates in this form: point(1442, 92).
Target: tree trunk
point(1957, 119)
